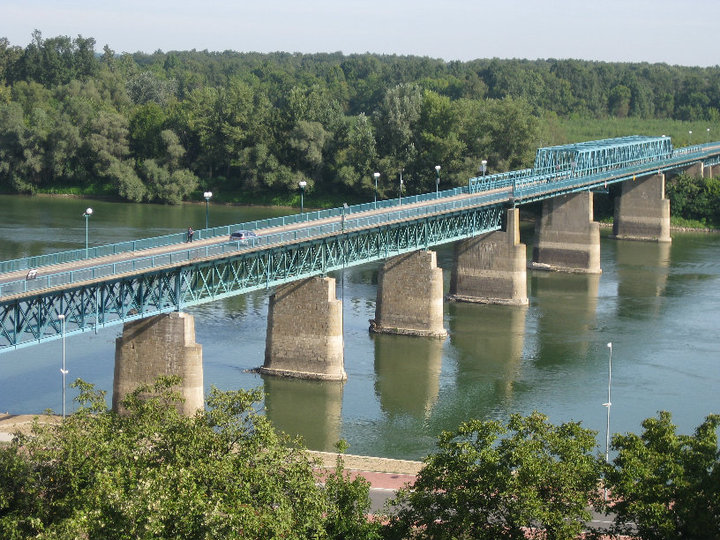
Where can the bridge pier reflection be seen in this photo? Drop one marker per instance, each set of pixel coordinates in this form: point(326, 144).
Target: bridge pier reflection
point(407, 374)
point(569, 306)
point(642, 269)
point(320, 417)
point(155, 346)
point(490, 341)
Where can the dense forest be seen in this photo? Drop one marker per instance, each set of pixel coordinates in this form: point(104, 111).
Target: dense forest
point(161, 127)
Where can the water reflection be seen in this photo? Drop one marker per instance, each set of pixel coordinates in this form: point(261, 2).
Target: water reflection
point(566, 307)
point(407, 373)
point(312, 409)
point(642, 273)
point(489, 341)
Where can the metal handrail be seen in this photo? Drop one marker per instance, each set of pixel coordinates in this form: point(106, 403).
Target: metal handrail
point(410, 212)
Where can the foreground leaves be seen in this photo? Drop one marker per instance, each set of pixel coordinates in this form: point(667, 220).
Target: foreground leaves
point(153, 473)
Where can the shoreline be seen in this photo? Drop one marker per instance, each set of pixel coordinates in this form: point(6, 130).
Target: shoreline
point(10, 423)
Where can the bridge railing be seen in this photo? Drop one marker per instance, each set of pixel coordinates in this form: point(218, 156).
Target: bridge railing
point(346, 224)
point(131, 246)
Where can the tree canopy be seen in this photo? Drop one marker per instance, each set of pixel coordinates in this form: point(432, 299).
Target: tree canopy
point(157, 127)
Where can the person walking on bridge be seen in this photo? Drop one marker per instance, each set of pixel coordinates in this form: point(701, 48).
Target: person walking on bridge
point(190, 233)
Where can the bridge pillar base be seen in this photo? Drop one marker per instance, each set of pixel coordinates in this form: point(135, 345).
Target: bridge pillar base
point(566, 237)
point(155, 346)
point(304, 333)
point(491, 269)
point(410, 297)
point(641, 211)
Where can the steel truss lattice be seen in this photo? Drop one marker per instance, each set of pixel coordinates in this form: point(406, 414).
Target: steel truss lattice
point(34, 318)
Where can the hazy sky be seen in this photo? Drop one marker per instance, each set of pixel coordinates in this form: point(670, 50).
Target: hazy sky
point(682, 32)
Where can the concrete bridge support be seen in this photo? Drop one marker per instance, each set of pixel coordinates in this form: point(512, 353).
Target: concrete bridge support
point(155, 346)
point(492, 268)
point(695, 170)
point(410, 296)
point(641, 211)
point(566, 237)
point(304, 332)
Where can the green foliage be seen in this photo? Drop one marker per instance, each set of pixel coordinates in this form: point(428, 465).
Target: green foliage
point(668, 485)
point(695, 198)
point(153, 473)
point(255, 124)
point(493, 481)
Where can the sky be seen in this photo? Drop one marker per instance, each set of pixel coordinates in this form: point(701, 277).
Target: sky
point(666, 31)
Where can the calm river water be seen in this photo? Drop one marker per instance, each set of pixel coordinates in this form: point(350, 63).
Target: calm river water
point(658, 304)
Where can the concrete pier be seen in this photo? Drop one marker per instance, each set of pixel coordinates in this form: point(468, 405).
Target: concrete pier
point(492, 268)
point(155, 346)
point(304, 333)
point(410, 296)
point(566, 237)
point(641, 211)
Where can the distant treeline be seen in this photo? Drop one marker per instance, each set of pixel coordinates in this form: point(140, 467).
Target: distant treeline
point(158, 127)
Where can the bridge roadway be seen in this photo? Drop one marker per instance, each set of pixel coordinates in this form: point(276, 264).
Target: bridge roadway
point(103, 291)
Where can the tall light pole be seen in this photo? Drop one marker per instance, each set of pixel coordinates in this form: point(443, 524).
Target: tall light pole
point(208, 196)
point(401, 184)
point(87, 215)
point(608, 405)
point(689, 137)
point(376, 175)
point(63, 370)
point(483, 166)
point(437, 181)
point(708, 134)
point(302, 185)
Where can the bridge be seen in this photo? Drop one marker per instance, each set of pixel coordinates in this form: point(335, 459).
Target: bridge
point(137, 283)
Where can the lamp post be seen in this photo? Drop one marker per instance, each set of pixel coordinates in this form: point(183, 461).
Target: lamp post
point(437, 181)
point(689, 137)
point(401, 184)
point(376, 175)
point(63, 370)
point(302, 185)
point(483, 166)
point(87, 215)
point(708, 134)
point(208, 196)
point(608, 405)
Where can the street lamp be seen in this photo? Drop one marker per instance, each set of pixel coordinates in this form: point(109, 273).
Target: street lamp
point(608, 405)
point(401, 184)
point(87, 215)
point(483, 166)
point(208, 196)
point(437, 181)
point(708, 133)
point(63, 370)
point(302, 185)
point(376, 175)
point(689, 137)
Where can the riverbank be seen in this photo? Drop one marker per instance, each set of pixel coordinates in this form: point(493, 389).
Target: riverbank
point(12, 423)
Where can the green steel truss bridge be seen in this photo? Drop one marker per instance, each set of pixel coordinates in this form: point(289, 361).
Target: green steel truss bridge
point(113, 284)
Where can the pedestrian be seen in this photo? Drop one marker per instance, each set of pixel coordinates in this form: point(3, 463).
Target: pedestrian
point(190, 234)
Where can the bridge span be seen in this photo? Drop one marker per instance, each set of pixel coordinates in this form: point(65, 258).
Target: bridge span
point(138, 283)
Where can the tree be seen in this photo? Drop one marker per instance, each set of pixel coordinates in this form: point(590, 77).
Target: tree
point(481, 486)
point(668, 485)
point(153, 473)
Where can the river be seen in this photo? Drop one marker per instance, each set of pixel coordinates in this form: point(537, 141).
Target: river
point(659, 306)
